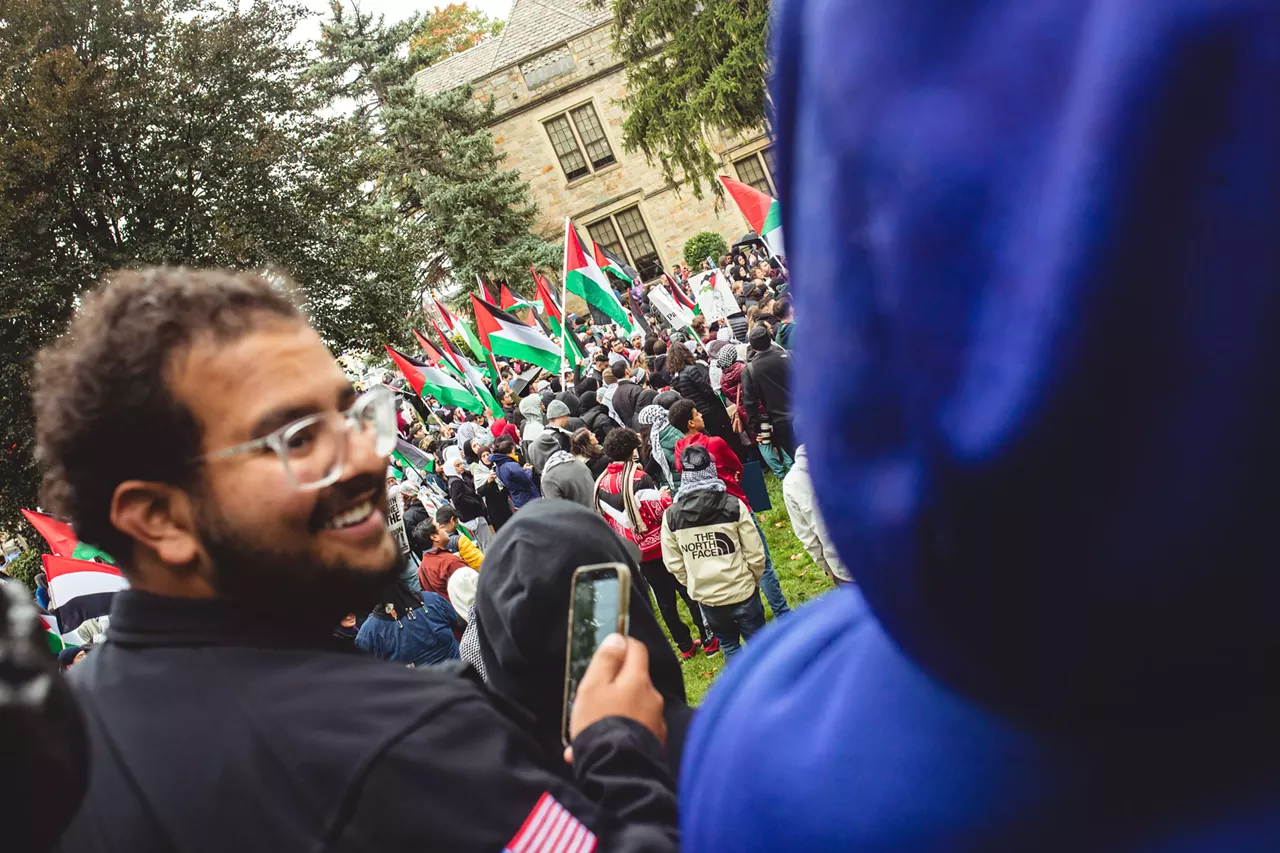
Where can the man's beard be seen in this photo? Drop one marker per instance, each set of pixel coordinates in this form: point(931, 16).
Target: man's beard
point(286, 584)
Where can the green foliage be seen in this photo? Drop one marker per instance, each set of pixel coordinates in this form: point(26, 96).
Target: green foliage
point(436, 161)
point(707, 76)
point(177, 132)
point(25, 568)
point(703, 245)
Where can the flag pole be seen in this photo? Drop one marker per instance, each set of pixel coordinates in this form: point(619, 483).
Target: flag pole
point(564, 299)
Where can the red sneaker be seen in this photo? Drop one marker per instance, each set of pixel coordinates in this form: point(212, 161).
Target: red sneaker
point(712, 648)
point(692, 650)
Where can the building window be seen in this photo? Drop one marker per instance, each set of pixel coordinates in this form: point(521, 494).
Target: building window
point(751, 172)
point(574, 133)
point(770, 163)
point(635, 243)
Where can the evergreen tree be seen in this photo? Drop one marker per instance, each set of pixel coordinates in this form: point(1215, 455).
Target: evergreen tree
point(438, 165)
point(708, 76)
point(188, 132)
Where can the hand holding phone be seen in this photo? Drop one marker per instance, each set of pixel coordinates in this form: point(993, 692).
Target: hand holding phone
point(617, 684)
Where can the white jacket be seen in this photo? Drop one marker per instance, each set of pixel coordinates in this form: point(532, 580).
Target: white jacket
point(806, 521)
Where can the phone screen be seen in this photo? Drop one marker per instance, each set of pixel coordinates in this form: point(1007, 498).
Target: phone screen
point(598, 608)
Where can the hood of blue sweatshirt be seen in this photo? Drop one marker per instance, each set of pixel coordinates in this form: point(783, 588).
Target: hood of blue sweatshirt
point(1040, 238)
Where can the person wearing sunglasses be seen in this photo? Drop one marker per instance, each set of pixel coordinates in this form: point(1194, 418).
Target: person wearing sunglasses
point(243, 493)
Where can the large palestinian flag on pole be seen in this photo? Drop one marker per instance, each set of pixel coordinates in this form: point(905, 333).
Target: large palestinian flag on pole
point(761, 211)
point(502, 334)
point(425, 379)
point(63, 540)
point(79, 590)
point(583, 277)
point(514, 305)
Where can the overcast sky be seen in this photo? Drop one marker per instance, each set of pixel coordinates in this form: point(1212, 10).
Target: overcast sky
point(396, 10)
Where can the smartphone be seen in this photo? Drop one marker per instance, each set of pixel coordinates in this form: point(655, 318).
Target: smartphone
point(599, 605)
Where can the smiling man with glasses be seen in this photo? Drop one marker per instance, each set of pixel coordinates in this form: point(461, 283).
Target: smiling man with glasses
point(193, 424)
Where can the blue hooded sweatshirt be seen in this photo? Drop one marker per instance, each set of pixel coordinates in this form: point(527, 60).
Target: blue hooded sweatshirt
point(1042, 238)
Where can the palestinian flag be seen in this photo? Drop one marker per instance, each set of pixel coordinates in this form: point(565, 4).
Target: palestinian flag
point(425, 379)
point(52, 635)
point(761, 211)
point(62, 539)
point(512, 305)
point(484, 291)
point(459, 325)
point(408, 456)
point(476, 380)
point(569, 342)
point(503, 334)
point(583, 277)
point(435, 358)
point(611, 263)
point(79, 591)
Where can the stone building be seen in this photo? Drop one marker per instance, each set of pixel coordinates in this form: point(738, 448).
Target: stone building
point(553, 80)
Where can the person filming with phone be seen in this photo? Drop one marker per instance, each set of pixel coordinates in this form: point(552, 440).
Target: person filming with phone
point(245, 498)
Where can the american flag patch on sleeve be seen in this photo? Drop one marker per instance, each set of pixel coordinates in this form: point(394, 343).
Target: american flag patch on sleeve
point(550, 828)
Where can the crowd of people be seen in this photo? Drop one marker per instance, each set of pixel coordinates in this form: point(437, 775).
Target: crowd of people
point(1039, 265)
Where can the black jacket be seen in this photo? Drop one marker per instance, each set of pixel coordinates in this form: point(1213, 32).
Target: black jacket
point(462, 494)
point(213, 730)
point(629, 399)
point(767, 380)
point(693, 383)
point(599, 421)
point(521, 613)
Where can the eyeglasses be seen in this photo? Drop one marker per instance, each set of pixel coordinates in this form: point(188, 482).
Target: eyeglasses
point(313, 449)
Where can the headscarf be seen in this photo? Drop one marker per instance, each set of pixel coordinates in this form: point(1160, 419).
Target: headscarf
point(452, 453)
point(698, 472)
point(656, 417)
point(727, 357)
point(725, 334)
point(531, 408)
point(522, 608)
point(560, 456)
point(472, 431)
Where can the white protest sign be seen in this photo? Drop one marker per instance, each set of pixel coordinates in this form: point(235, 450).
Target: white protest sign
point(676, 315)
point(395, 523)
point(712, 292)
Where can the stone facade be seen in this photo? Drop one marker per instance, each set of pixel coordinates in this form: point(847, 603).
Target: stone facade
point(582, 69)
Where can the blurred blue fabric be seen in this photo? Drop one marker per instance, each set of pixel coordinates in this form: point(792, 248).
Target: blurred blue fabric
point(1038, 238)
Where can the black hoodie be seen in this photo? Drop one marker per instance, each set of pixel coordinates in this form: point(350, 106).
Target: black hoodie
point(522, 612)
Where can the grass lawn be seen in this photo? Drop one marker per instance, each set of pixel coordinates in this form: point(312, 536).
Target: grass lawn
point(801, 580)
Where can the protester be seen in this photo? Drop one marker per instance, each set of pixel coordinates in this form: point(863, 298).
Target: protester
point(586, 449)
point(785, 333)
point(806, 520)
point(474, 428)
point(466, 501)
point(574, 405)
point(411, 629)
point(531, 410)
point(241, 557)
point(692, 381)
point(568, 478)
point(711, 544)
point(686, 418)
point(458, 542)
point(437, 562)
point(596, 416)
point(630, 502)
point(766, 387)
point(521, 612)
point(516, 478)
point(484, 478)
point(629, 397)
point(662, 441)
point(554, 438)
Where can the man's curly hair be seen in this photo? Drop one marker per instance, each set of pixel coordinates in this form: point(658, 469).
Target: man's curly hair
point(104, 409)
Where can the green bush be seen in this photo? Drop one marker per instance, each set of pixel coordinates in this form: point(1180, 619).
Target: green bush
point(703, 245)
point(25, 568)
